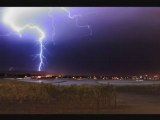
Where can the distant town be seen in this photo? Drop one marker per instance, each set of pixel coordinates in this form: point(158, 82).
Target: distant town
point(43, 75)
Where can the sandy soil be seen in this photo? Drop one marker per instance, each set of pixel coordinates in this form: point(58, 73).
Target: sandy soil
point(126, 104)
point(138, 104)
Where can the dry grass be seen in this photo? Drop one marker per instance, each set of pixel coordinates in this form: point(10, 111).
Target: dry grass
point(90, 98)
point(31, 98)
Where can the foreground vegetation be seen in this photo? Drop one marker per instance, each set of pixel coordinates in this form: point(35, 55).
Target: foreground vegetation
point(21, 97)
point(78, 97)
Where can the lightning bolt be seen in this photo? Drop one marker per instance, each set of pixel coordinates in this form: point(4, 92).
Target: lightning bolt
point(73, 17)
point(76, 18)
point(41, 38)
point(7, 19)
point(52, 23)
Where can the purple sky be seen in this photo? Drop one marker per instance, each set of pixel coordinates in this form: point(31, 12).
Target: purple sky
point(125, 40)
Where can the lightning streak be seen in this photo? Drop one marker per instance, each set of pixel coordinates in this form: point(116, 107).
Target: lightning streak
point(76, 19)
point(52, 23)
point(41, 38)
point(9, 19)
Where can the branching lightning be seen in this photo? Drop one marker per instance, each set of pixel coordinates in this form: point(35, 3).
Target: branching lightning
point(76, 19)
point(52, 23)
point(8, 19)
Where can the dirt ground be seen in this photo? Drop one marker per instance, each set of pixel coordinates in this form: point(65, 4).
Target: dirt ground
point(126, 104)
point(139, 104)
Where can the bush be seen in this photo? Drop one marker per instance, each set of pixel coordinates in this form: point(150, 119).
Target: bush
point(78, 96)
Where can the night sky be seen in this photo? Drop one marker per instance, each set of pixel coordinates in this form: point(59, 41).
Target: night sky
point(125, 40)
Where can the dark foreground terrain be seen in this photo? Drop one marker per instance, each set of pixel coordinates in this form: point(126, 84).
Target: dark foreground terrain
point(31, 98)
